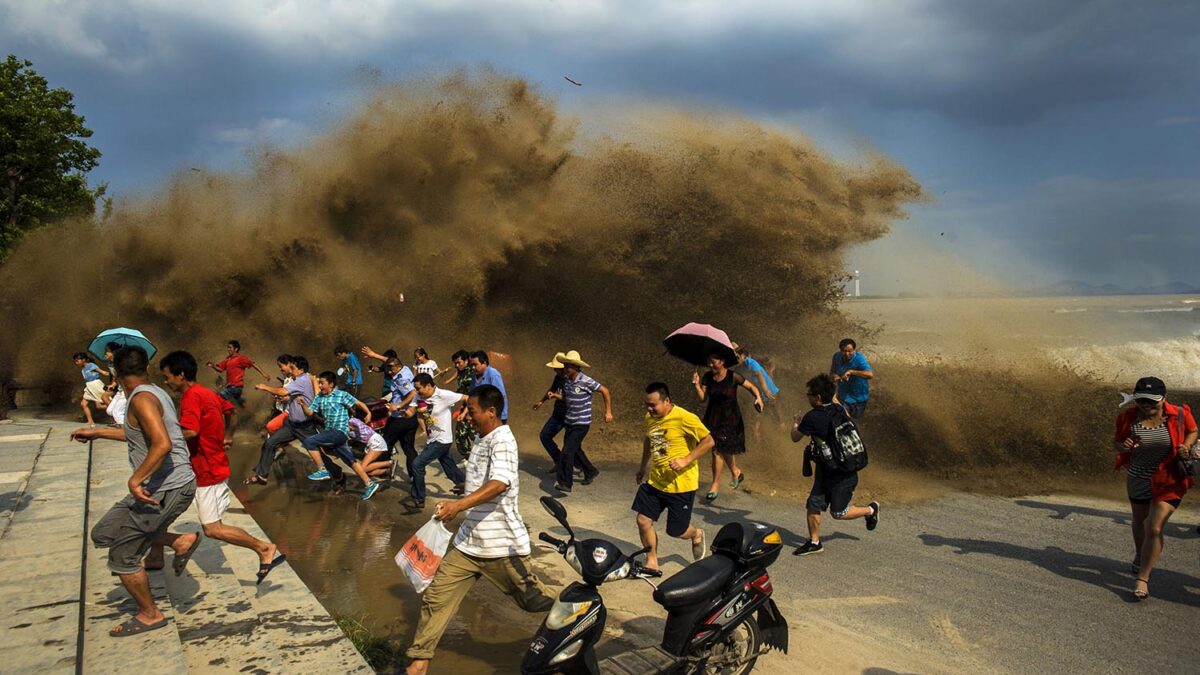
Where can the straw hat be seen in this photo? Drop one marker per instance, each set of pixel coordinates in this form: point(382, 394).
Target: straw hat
point(572, 358)
point(556, 362)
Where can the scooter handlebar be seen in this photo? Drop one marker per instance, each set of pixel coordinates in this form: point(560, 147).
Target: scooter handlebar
point(556, 543)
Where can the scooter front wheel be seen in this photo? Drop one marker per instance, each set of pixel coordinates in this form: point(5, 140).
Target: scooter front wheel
point(735, 654)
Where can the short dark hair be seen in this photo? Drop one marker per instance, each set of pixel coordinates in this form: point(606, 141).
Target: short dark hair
point(113, 346)
point(460, 355)
point(822, 386)
point(237, 346)
point(420, 351)
point(482, 356)
point(488, 397)
point(79, 355)
point(131, 360)
point(329, 376)
point(300, 362)
point(847, 341)
point(391, 354)
point(423, 380)
point(180, 363)
point(283, 359)
point(340, 349)
point(742, 351)
point(659, 388)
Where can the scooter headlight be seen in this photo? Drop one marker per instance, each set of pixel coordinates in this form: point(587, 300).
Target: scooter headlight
point(619, 573)
point(568, 653)
point(563, 613)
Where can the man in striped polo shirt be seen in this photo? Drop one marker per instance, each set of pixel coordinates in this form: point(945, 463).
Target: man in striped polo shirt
point(492, 540)
point(577, 391)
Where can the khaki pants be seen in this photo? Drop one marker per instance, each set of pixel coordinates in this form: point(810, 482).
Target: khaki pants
point(455, 576)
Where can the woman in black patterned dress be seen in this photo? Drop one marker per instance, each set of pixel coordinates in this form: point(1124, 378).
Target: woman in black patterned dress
point(724, 419)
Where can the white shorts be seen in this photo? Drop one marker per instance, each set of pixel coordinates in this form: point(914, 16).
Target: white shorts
point(377, 444)
point(212, 501)
point(94, 391)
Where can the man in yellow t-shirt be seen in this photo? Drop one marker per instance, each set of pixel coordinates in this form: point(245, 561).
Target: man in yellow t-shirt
point(675, 439)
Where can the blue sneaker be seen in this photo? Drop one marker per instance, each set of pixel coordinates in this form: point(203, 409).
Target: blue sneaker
point(319, 474)
point(371, 489)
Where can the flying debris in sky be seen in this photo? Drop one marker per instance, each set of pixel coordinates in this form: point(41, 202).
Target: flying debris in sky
point(577, 84)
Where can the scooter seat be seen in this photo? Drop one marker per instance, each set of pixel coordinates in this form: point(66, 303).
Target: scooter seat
point(698, 581)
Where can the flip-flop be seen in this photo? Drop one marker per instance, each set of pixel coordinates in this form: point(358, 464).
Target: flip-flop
point(134, 626)
point(265, 568)
point(712, 496)
point(737, 482)
point(181, 559)
point(255, 479)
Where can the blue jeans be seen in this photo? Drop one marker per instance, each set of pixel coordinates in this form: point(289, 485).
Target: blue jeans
point(550, 429)
point(439, 452)
point(233, 395)
point(331, 442)
point(856, 410)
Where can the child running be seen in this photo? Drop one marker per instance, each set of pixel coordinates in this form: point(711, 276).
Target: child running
point(377, 457)
point(335, 405)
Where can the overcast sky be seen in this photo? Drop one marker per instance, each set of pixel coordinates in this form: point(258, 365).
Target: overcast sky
point(1061, 140)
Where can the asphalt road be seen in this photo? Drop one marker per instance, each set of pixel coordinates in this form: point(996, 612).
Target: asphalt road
point(959, 583)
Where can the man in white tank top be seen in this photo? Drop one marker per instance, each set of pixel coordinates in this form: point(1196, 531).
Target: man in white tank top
point(160, 490)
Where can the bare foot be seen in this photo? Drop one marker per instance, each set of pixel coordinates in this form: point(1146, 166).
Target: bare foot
point(267, 556)
point(183, 542)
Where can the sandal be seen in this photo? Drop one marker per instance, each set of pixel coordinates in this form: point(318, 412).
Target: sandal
point(1139, 594)
point(134, 626)
point(737, 482)
point(255, 479)
point(181, 559)
point(712, 496)
point(265, 568)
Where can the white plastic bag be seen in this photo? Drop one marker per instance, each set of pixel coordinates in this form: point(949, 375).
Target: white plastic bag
point(423, 552)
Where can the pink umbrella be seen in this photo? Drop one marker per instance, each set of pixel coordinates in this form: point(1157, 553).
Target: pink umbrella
point(696, 342)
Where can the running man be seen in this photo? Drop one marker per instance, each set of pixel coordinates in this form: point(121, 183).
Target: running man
point(352, 370)
point(235, 366)
point(486, 374)
point(675, 441)
point(578, 390)
point(441, 404)
point(208, 421)
point(161, 488)
point(853, 376)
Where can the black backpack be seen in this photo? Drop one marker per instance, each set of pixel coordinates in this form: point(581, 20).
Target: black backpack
point(842, 448)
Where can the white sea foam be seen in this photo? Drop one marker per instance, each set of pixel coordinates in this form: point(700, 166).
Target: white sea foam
point(1176, 361)
point(1073, 310)
point(1156, 310)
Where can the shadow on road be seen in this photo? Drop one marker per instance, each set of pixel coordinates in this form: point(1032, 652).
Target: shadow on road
point(1104, 573)
point(1064, 511)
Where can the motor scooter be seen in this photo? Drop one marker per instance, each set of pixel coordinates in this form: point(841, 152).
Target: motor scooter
point(720, 615)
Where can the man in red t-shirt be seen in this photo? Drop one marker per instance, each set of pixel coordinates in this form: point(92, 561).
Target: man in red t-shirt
point(207, 421)
point(235, 366)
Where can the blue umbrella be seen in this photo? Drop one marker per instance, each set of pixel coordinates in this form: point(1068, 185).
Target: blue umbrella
point(125, 337)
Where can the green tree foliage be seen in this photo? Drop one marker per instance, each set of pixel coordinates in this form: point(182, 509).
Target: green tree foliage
point(43, 157)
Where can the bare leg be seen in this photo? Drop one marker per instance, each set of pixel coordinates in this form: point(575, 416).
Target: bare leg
point(418, 667)
point(854, 512)
point(316, 456)
point(1137, 523)
point(814, 526)
point(87, 410)
point(718, 465)
point(178, 543)
point(649, 538)
point(138, 586)
point(692, 534)
point(239, 537)
point(361, 473)
point(1152, 544)
point(733, 467)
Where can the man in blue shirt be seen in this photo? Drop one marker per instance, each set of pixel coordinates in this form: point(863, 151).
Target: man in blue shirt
point(351, 370)
point(853, 374)
point(486, 374)
point(577, 392)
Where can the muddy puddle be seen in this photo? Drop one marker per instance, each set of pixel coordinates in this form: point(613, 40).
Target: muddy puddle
point(343, 549)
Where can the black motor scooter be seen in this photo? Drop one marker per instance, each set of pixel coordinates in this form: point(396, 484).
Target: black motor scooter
point(720, 615)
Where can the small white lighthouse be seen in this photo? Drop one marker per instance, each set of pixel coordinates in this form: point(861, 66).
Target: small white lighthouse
point(856, 287)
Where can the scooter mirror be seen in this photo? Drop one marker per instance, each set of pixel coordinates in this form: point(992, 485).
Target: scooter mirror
point(557, 511)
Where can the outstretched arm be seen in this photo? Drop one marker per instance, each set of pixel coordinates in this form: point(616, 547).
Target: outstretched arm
point(608, 416)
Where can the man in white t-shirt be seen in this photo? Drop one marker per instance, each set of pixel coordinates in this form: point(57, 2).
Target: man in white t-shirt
point(439, 421)
point(491, 541)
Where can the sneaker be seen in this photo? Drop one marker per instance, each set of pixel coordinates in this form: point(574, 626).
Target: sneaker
point(698, 550)
point(319, 474)
point(371, 490)
point(809, 548)
point(587, 480)
point(564, 490)
point(873, 519)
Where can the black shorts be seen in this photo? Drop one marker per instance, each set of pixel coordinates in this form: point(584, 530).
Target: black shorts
point(832, 490)
point(650, 502)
